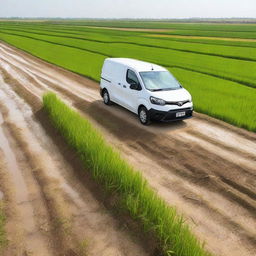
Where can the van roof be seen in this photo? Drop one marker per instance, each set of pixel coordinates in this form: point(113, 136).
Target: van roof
point(138, 65)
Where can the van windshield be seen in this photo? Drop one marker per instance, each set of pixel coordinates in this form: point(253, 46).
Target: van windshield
point(159, 81)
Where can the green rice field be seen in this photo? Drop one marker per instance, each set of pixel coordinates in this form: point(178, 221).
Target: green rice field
point(215, 62)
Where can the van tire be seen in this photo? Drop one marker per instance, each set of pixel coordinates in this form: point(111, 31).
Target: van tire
point(106, 98)
point(144, 116)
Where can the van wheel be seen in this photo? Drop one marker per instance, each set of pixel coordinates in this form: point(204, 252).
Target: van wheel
point(144, 116)
point(106, 98)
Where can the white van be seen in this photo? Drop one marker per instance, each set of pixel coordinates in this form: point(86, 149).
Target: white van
point(146, 89)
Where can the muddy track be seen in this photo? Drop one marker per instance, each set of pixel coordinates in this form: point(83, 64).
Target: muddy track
point(49, 210)
point(203, 166)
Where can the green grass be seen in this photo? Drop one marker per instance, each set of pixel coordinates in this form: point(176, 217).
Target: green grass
point(82, 62)
point(117, 176)
point(225, 100)
point(3, 239)
point(112, 32)
point(155, 25)
point(103, 31)
point(224, 34)
point(207, 77)
point(239, 71)
point(208, 30)
point(235, 52)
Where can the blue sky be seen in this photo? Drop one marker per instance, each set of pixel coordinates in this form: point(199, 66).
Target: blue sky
point(128, 8)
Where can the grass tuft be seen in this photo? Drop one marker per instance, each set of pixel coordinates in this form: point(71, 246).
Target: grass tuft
point(116, 175)
point(3, 239)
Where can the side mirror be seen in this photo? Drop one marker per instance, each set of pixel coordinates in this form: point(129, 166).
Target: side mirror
point(134, 86)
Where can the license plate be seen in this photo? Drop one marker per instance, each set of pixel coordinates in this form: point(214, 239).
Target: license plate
point(179, 114)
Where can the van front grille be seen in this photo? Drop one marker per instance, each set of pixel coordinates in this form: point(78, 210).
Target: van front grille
point(178, 103)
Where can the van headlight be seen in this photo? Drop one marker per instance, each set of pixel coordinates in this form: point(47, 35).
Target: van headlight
point(157, 101)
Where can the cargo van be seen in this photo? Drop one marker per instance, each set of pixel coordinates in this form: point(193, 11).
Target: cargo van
point(146, 89)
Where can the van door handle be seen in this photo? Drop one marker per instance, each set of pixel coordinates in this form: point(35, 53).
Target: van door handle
point(119, 83)
point(124, 86)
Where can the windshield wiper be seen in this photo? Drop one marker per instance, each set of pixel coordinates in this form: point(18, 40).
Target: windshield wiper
point(155, 90)
point(171, 89)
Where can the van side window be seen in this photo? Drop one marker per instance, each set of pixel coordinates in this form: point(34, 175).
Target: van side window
point(131, 77)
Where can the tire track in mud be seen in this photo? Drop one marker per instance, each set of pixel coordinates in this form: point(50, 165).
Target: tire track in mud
point(75, 217)
point(12, 225)
point(199, 181)
point(44, 82)
point(26, 222)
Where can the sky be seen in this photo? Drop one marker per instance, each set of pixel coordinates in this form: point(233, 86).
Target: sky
point(129, 8)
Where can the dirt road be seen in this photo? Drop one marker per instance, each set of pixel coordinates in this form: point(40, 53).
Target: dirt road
point(205, 167)
point(50, 209)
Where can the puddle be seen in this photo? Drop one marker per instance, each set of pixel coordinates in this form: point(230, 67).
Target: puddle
point(23, 201)
point(21, 114)
point(13, 166)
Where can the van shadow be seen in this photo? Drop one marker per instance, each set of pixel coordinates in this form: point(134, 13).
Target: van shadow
point(125, 124)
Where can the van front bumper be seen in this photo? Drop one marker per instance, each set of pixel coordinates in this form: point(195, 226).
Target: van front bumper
point(168, 116)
